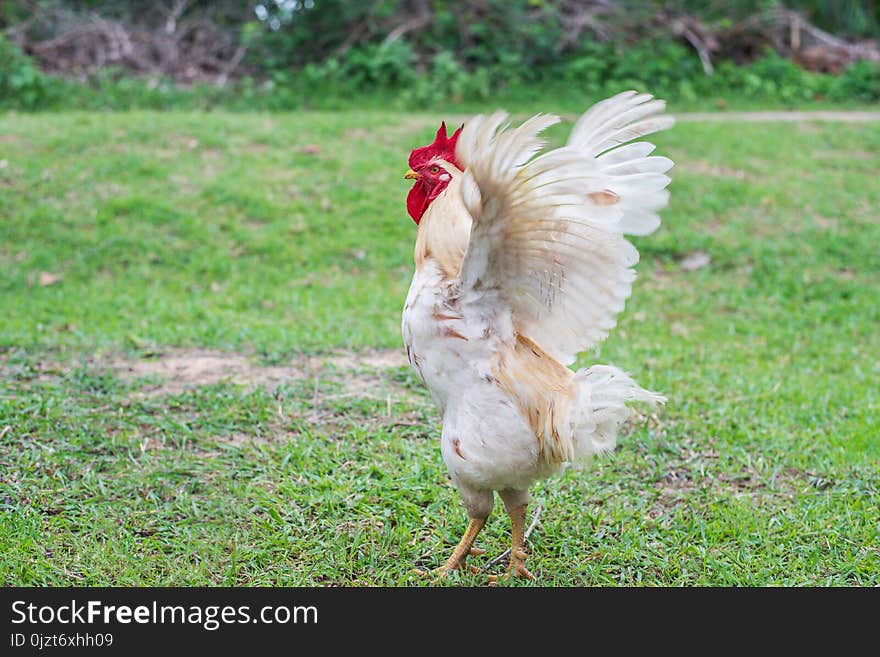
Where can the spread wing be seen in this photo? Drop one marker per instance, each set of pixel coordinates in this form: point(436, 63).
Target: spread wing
point(548, 231)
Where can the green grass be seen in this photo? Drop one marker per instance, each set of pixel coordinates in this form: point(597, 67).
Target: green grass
point(285, 237)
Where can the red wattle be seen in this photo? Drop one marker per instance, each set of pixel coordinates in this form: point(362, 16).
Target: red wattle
point(417, 201)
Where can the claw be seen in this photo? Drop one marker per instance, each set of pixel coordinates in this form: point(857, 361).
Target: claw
point(443, 571)
point(520, 571)
point(475, 551)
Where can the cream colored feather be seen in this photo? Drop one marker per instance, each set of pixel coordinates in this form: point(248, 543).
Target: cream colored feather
point(548, 230)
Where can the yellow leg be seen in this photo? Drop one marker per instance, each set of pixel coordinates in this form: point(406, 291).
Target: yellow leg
point(517, 566)
point(464, 548)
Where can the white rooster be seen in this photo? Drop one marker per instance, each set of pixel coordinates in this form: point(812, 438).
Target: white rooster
point(521, 263)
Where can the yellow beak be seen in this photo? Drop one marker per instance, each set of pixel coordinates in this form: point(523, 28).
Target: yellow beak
point(411, 175)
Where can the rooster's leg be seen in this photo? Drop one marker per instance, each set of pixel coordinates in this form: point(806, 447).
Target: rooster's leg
point(517, 566)
point(516, 503)
point(464, 548)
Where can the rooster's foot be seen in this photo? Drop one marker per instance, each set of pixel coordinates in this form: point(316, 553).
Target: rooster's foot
point(458, 562)
point(464, 548)
point(517, 567)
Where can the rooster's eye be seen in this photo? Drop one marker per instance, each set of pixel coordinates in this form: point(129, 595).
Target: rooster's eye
point(435, 169)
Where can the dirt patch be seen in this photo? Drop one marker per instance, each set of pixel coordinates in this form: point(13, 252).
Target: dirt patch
point(187, 368)
point(380, 359)
point(842, 116)
point(179, 142)
point(108, 190)
point(239, 440)
point(852, 154)
point(235, 439)
point(10, 139)
point(767, 116)
point(330, 393)
point(177, 370)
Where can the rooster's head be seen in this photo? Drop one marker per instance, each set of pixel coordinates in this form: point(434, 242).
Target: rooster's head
point(425, 168)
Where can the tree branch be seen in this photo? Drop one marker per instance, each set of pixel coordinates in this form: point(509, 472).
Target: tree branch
point(233, 63)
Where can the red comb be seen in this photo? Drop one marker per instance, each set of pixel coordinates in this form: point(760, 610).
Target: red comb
point(442, 147)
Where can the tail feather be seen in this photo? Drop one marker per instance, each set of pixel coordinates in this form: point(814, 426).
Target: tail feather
point(599, 408)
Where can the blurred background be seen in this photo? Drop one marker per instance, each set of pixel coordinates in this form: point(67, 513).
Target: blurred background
point(324, 54)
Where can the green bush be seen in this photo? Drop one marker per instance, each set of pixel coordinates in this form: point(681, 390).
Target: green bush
point(387, 66)
point(22, 84)
point(447, 79)
point(860, 82)
point(383, 74)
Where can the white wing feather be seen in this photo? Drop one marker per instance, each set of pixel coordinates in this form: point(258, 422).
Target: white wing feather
point(547, 231)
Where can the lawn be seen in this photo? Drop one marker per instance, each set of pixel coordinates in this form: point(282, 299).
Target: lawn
point(201, 380)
